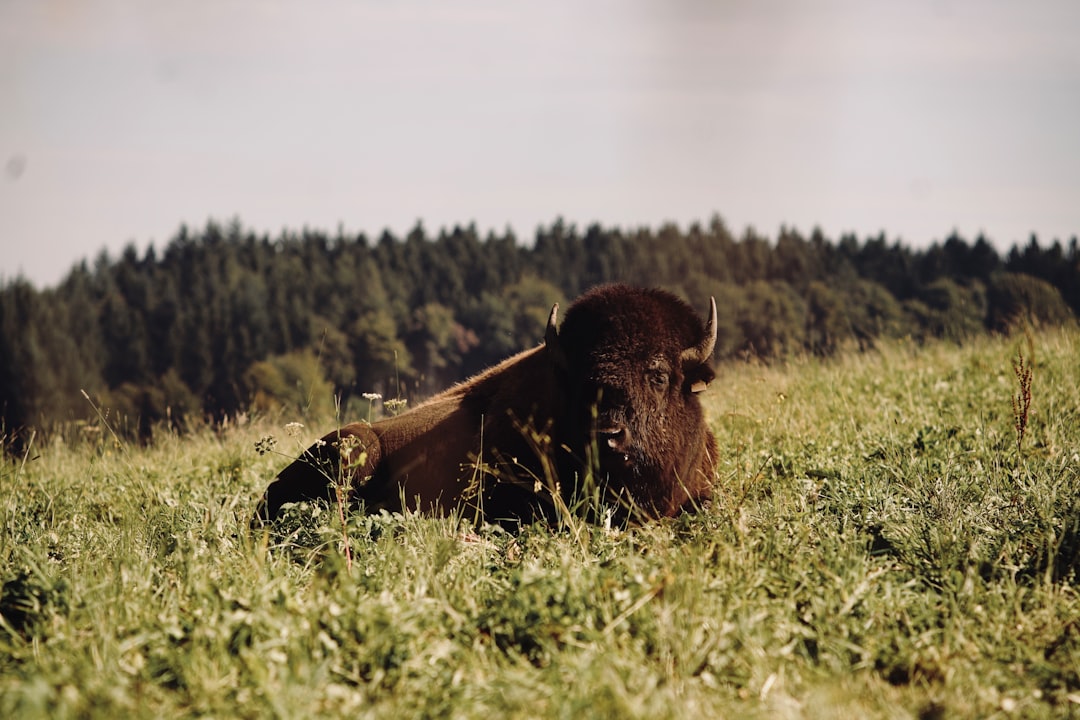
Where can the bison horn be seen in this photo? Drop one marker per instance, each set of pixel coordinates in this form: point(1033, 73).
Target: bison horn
point(700, 353)
point(551, 338)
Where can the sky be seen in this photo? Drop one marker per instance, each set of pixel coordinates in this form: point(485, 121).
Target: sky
point(120, 121)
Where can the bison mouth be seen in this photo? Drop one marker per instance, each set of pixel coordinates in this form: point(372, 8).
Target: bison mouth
point(615, 447)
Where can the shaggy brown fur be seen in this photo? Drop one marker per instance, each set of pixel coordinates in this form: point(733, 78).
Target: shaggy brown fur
point(611, 398)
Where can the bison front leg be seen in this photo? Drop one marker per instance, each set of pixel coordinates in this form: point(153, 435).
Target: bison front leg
point(332, 470)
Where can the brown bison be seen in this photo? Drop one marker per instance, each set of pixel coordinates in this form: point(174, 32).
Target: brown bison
point(606, 409)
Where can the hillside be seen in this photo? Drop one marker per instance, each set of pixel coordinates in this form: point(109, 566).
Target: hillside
point(883, 544)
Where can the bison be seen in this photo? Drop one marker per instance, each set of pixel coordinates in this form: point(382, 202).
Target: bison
point(606, 409)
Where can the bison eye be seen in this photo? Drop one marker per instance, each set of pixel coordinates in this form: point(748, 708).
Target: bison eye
point(658, 378)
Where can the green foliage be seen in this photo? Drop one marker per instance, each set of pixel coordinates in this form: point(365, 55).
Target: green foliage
point(872, 551)
point(771, 318)
point(827, 324)
point(293, 384)
point(510, 320)
point(949, 310)
point(729, 299)
point(1018, 300)
point(872, 312)
point(335, 355)
point(137, 409)
point(29, 597)
point(381, 357)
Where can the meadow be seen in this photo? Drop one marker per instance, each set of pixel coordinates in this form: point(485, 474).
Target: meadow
point(895, 535)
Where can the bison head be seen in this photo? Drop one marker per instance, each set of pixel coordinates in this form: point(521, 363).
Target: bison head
point(632, 362)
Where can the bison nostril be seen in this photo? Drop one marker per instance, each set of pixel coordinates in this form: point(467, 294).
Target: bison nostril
point(614, 437)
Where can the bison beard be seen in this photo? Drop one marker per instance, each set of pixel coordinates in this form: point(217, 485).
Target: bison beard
point(606, 409)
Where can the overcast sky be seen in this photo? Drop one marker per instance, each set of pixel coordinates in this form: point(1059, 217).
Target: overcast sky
point(121, 120)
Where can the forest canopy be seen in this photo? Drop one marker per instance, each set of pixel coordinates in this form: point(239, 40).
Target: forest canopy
point(223, 321)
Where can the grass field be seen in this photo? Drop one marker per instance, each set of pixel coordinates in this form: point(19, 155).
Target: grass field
point(881, 546)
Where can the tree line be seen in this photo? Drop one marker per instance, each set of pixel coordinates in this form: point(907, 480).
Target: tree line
point(223, 321)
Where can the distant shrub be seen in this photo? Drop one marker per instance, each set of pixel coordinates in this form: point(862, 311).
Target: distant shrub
point(772, 319)
point(827, 323)
point(949, 310)
point(1017, 299)
point(874, 313)
point(293, 383)
point(138, 409)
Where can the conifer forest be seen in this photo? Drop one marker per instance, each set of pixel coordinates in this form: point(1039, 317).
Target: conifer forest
point(222, 321)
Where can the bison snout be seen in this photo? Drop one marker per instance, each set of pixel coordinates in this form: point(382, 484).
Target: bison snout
point(615, 438)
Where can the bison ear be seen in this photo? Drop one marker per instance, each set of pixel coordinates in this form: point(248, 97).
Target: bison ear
point(699, 354)
point(699, 377)
point(551, 339)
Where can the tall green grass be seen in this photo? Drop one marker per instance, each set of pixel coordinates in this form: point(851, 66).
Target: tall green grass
point(882, 545)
